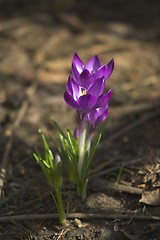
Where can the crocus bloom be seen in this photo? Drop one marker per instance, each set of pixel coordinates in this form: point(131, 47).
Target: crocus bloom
point(85, 93)
point(84, 90)
point(87, 75)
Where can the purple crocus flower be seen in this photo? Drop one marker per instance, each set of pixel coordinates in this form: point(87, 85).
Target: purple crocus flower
point(84, 91)
point(87, 75)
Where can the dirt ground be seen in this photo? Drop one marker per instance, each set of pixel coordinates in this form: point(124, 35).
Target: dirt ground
point(37, 43)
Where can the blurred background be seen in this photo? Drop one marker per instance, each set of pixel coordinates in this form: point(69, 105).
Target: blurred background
point(39, 38)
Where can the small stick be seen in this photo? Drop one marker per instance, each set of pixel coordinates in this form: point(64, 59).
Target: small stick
point(105, 171)
point(102, 185)
point(77, 215)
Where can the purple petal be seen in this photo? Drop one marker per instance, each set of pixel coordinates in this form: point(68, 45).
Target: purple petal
point(78, 63)
point(76, 133)
point(104, 99)
point(70, 101)
point(93, 64)
point(97, 88)
point(101, 117)
point(102, 71)
point(92, 117)
point(96, 116)
point(102, 109)
point(73, 88)
point(87, 102)
point(110, 67)
point(69, 85)
point(86, 79)
point(75, 73)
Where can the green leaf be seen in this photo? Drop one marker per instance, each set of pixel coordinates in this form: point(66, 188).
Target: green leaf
point(88, 159)
point(85, 167)
point(59, 130)
point(36, 157)
point(94, 146)
point(73, 142)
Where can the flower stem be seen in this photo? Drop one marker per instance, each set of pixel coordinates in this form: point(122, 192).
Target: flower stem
point(82, 190)
point(82, 143)
point(59, 204)
point(84, 147)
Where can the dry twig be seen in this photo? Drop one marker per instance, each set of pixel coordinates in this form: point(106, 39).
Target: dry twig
point(77, 215)
point(102, 185)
